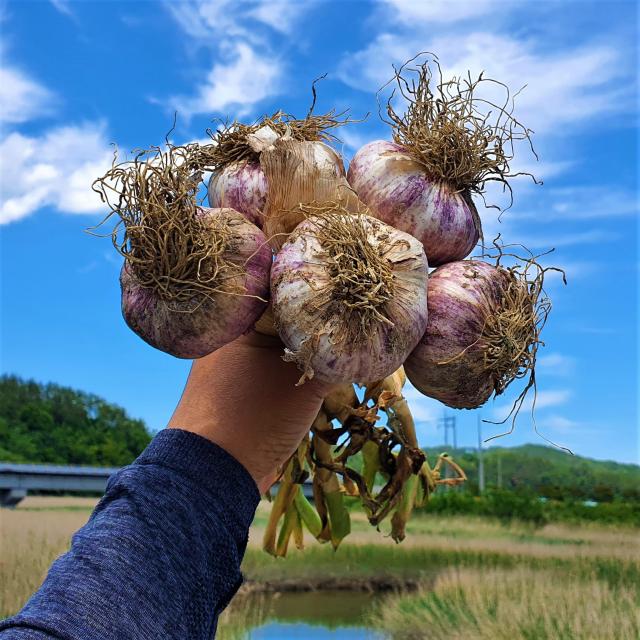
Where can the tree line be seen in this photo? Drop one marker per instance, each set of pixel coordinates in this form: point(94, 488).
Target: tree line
point(49, 423)
point(549, 473)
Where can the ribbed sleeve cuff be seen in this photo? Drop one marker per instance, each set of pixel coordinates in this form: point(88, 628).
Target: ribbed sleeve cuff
point(210, 467)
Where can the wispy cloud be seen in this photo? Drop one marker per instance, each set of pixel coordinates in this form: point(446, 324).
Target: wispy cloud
point(573, 270)
point(353, 140)
point(436, 11)
point(555, 364)
point(281, 15)
point(424, 409)
point(88, 267)
point(556, 239)
point(515, 228)
point(202, 19)
point(64, 7)
point(242, 79)
point(580, 202)
point(566, 86)
point(21, 97)
point(543, 400)
point(560, 424)
point(246, 67)
point(54, 169)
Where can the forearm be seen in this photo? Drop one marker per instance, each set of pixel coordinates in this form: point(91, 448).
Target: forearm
point(160, 556)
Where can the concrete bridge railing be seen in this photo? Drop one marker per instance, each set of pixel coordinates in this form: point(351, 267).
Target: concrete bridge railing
point(16, 480)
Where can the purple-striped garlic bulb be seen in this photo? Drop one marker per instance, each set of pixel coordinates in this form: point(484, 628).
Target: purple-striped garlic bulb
point(483, 332)
point(214, 301)
point(349, 296)
point(193, 278)
point(397, 190)
point(243, 184)
point(447, 145)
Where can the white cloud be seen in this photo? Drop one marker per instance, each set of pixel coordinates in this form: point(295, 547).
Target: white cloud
point(21, 98)
point(245, 66)
point(564, 87)
point(579, 202)
point(597, 331)
point(560, 424)
point(281, 15)
point(423, 409)
point(244, 79)
point(202, 19)
point(55, 169)
point(352, 140)
point(436, 11)
point(557, 240)
point(543, 400)
point(573, 270)
point(586, 202)
point(63, 6)
point(555, 364)
point(550, 398)
point(539, 235)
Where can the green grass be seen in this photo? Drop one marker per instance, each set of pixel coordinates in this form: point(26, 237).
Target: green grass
point(364, 562)
point(525, 603)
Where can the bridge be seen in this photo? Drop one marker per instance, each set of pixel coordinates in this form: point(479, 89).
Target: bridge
point(16, 480)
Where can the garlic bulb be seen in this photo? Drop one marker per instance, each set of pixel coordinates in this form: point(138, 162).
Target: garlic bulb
point(349, 296)
point(483, 332)
point(197, 322)
point(398, 191)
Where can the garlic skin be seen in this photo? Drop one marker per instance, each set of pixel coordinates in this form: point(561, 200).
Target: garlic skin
point(205, 323)
point(300, 172)
point(241, 186)
point(244, 186)
point(314, 333)
point(449, 363)
point(397, 191)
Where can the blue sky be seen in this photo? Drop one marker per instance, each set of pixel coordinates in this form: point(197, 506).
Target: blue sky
point(77, 76)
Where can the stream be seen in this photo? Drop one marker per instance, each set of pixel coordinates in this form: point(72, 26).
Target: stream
point(314, 615)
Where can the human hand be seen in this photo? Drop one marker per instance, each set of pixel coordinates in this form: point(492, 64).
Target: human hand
point(243, 397)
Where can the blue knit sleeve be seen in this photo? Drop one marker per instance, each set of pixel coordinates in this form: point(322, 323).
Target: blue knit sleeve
point(160, 555)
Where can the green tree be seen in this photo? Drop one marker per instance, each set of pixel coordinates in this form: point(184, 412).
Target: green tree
point(50, 423)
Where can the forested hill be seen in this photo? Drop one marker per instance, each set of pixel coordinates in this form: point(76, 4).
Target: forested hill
point(50, 423)
point(550, 472)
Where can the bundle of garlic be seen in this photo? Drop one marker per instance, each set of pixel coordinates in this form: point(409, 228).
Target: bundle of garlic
point(343, 259)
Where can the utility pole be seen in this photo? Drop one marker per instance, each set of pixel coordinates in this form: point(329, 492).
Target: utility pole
point(480, 457)
point(499, 470)
point(449, 423)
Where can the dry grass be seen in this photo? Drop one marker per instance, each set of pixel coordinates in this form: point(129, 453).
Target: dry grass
point(507, 579)
point(457, 533)
point(31, 541)
point(506, 604)
point(57, 502)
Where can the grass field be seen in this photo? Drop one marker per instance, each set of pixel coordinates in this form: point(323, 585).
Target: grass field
point(476, 578)
point(501, 604)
